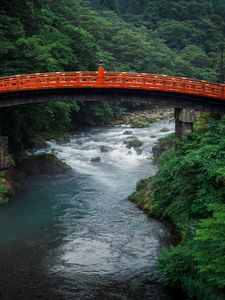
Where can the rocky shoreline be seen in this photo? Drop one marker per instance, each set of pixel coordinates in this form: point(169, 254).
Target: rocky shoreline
point(143, 197)
point(143, 118)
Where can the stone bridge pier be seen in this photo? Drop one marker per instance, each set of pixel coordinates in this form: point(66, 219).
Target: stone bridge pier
point(184, 119)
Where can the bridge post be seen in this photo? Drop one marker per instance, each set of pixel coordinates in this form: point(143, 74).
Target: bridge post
point(184, 119)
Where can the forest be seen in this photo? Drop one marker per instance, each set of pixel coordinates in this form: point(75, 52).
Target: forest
point(183, 38)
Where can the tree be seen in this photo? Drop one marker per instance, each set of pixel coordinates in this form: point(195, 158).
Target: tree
point(221, 66)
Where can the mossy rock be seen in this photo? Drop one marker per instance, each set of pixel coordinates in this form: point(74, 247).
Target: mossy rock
point(164, 129)
point(139, 123)
point(144, 197)
point(133, 142)
point(43, 164)
point(159, 149)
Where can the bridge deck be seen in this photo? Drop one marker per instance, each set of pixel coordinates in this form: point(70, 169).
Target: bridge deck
point(106, 80)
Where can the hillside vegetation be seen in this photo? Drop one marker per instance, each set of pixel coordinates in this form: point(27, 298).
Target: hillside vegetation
point(189, 190)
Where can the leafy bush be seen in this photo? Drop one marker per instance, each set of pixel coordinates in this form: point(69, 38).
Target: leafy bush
point(209, 244)
point(193, 177)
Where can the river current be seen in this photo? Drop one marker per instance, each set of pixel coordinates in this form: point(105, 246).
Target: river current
point(76, 236)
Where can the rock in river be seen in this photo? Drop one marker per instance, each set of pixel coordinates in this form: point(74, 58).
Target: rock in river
point(105, 149)
point(43, 163)
point(96, 159)
point(134, 142)
point(128, 132)
point(138, 151)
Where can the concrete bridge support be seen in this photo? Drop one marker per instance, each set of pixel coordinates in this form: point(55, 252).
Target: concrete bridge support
point(184, 119)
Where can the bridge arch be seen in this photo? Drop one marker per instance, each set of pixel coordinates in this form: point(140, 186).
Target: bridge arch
point(178, 92)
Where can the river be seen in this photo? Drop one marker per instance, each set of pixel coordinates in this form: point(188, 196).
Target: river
point(76, 236)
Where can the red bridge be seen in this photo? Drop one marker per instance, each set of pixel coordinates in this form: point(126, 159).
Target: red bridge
point(109, 80)
point(178, 92)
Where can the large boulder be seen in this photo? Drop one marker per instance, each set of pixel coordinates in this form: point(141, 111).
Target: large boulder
point(160, 148)
point(133, 142)
point(164, 129)
point(43, 164)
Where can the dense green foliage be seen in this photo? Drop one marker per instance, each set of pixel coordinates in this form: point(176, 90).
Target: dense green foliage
point(197, 167)
point(189, 189)
point(183, 37)
point(31, 127)
point(197, 264)
point(169, 37)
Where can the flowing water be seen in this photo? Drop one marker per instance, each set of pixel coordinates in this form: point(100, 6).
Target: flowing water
point(76, 236)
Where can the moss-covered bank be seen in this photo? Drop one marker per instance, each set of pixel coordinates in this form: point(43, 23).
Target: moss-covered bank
point(143, 197)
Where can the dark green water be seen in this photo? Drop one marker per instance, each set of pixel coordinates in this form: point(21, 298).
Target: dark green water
point(76, 236)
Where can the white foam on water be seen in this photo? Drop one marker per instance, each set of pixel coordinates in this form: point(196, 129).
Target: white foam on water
point(85, 146)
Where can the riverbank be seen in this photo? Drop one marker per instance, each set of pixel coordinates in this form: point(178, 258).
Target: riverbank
point(188, 190)
point(143, 197)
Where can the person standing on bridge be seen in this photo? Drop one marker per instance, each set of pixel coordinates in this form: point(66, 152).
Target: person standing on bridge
point(101, 71)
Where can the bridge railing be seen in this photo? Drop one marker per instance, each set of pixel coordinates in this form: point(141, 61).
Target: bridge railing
point(124, 80)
